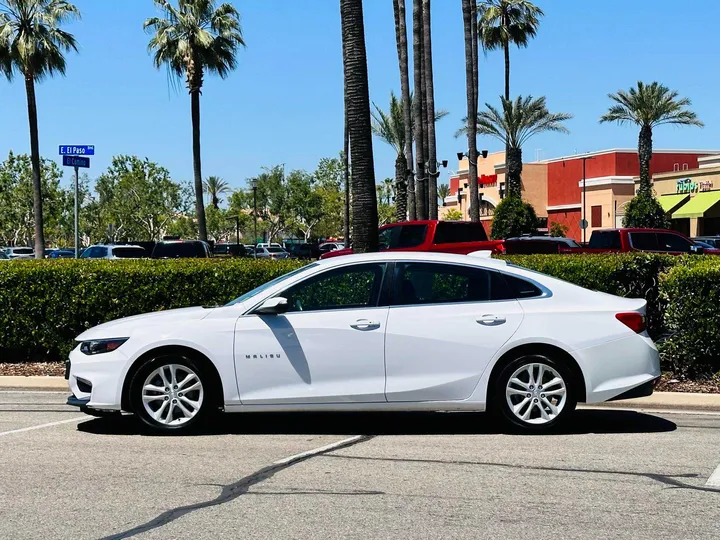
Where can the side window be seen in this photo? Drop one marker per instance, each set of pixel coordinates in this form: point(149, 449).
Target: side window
point(605, 240)
point(348, 287)
point(428, 283)
point(644, 241)
point(451, 233)
point(673, 242)
point(521, 287)
point(101, 252)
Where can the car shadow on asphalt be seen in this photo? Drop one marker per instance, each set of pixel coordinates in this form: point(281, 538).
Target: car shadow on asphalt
point(583, 421)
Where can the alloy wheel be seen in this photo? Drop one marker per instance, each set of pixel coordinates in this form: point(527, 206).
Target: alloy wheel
point(172, 394)
point(536, 393)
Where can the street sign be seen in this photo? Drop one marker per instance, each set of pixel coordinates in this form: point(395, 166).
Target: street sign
point(77, 150)
point(74, 161)
point(583, 224)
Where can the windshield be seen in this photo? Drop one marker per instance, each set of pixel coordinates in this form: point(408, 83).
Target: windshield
point(129, 252)
point(261, 288)
point(3, 256)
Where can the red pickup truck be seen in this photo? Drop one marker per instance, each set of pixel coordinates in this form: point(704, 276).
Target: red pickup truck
point(646, 240)
point(461, 237)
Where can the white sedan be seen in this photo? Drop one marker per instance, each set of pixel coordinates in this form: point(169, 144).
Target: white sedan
point(381, 331)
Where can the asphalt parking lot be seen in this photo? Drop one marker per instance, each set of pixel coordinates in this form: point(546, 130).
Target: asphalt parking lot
point(610, 474)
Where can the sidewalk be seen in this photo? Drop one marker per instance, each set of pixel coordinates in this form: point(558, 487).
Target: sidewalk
point(659, 400)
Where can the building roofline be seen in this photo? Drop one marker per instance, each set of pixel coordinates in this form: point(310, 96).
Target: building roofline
point(627, 151)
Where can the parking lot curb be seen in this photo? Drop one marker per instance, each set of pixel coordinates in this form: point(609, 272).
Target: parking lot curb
point(669, 401)
point(33, 383)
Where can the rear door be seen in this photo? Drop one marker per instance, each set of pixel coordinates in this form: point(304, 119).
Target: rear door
point(445, 324)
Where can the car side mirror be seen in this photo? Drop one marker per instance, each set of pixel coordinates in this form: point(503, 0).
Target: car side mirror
point(273, 306)
point(697, 250)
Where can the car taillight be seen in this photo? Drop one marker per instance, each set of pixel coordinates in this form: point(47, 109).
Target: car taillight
point(499, 249)
point(633, 320)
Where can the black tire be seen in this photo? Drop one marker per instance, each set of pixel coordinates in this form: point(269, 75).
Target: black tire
point(203, 412)
point(535, 423)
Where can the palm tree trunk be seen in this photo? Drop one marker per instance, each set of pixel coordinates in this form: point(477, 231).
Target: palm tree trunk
point(346, 175)
point(364, 199)
point(418, 110)
point(400, 188)
point(430, 113)
point(35, 159)
point(470, 70)
point(506, 49)
point(645, 151)
point(197, 165)
point(425, 122)
point(402, 46)
point(513, 163)
point(474, 32)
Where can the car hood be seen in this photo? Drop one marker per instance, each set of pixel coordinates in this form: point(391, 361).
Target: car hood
point(126, 326)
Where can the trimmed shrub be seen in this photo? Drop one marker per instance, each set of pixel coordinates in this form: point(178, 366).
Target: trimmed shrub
point(644, 210)
point(513, 217)
point(691, 295)
point(46, 304)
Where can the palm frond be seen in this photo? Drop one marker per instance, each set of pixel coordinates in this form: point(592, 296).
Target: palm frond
point(504, 22)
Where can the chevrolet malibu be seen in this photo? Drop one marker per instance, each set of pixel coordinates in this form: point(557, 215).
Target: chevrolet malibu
point(374, 332)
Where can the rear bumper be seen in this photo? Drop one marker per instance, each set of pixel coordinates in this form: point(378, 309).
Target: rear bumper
point(644, 390)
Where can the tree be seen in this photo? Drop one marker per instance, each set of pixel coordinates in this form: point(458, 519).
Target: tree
point(215, 186)
point(32, 44)
point(402, 47)
point(513, 217)
point(558, 229)
point(330, 183)
point(140, 200)
point(274, 210)
point(191, 39)
point(514, 126)
point(305, 202)
point(507, 22)
point(649, 106)
point(364, 202)
point(469, 23)
point(453, 215)
point(390, 128)
point(443, 192)
point(429, 88)
point(419, 112)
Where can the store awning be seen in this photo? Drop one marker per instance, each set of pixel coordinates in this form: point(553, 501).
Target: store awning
point(670, 203)
point(698, 205)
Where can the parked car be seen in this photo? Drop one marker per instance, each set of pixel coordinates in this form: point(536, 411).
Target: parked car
point(271, 252)
point(712, 241)
point(531, 346)
point(527, 245)
point(111, 251)
point(461, 237)
point(328, 247)
point(60, 254)
point(269, 244)
point(229, 250)
point(20, 253)
point(304, 251)
point(645, 240)
point(181, 249)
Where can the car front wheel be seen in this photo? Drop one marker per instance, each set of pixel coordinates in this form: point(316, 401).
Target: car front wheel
point(169, 394)
point(534, 393)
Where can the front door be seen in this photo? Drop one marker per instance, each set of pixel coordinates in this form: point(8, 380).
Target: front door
point(328, 348)
point(445, 324)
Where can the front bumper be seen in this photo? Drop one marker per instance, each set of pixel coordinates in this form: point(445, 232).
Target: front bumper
point(96, 381)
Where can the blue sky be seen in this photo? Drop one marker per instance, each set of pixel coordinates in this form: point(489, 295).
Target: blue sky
point(284, 102)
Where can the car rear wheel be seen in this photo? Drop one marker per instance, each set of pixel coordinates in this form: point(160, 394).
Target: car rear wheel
point(170, 394)
point(534, 393)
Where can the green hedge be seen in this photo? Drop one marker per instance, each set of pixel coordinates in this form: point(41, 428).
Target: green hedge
point(46, 304)
point(691, 295)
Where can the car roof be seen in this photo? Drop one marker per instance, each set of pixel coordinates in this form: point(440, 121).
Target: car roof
point(414, 256)
point(636, 229)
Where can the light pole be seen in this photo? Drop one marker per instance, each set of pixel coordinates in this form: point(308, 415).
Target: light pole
point(253, 184)
point(584, 218)
point(77, 219)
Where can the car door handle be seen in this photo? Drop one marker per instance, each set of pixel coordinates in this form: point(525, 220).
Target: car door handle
point(364, 324)
point(491, 320)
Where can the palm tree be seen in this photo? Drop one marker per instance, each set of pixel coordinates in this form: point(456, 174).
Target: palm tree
point(648, 106)
point(506, 22)
point(514, 126)
point(472, 106)
point(390, 127)
point(215, 186)
point(357, 103)
point(443, 191)
point(429, 87)
point(32, 44)
point(402, 47)
point(418, 111)
point(191, 39)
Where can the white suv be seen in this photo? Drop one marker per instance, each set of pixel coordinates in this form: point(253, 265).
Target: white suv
point(102, 251)
point(20, 253)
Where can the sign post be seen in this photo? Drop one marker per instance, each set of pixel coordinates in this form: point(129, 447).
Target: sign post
point(70, 159)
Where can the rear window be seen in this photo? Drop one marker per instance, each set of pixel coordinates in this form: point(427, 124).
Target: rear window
point(275, 250)
point(178, 250)
point(129, 252)
point(644, 241)
point(452, 233)
point(605, 240)
point(402, 236)
point(22, 251)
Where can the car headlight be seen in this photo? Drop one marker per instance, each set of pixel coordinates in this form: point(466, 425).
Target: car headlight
point(100, 346)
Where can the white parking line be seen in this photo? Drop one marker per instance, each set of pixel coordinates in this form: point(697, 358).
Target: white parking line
point(320, 450)
point(714, 480)
point(41, 426)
